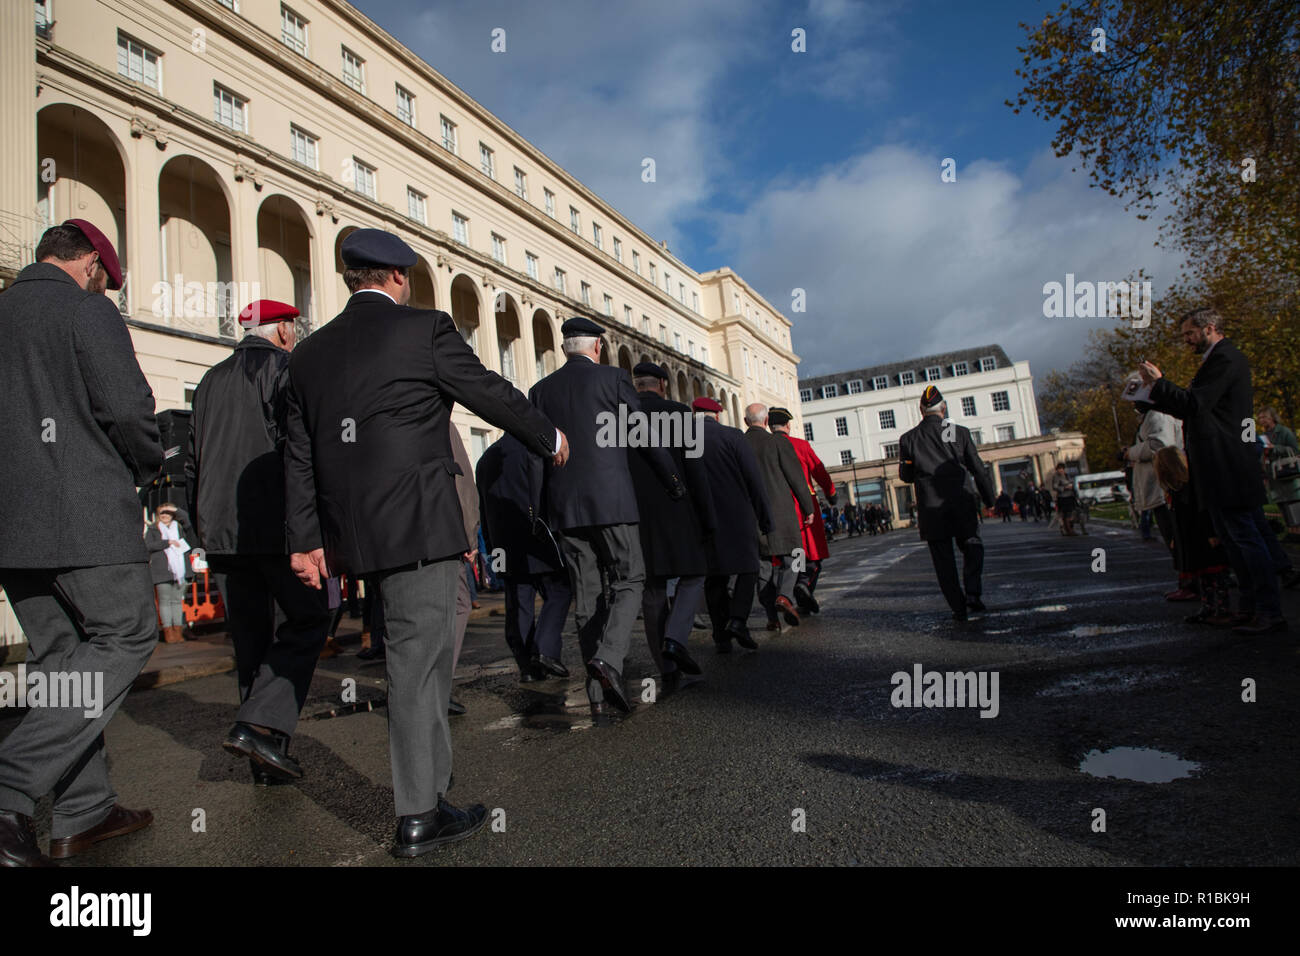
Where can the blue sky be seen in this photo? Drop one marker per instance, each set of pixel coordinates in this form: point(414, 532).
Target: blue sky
point(816, 170)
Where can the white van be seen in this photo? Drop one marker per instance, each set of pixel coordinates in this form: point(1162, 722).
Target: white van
point(1102, 486)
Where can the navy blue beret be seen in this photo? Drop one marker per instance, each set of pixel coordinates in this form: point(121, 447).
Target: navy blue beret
point(374, 248)
point(580, 326)
point(649, 370)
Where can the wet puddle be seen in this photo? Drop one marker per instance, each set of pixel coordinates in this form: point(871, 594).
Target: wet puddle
point(1105, 681)
point(1142, 764)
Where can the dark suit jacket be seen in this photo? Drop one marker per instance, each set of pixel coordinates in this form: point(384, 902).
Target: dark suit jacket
point(674, 530)
point(595, 486)
point(77, 429)
point(234, 468)
point(739, 499)
point(1214, 408)
point(782, 476)
point(369, 473)
point(944, 508)
point(509, 480)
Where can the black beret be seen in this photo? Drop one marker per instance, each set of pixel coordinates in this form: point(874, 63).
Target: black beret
point(374, 248)
point(649, 370)
point(580, 326)
point(779, 416)
point(931, 396)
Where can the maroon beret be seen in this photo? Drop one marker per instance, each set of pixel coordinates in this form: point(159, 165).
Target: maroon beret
point(705, 404)
point(107, 255)
point(266, 311)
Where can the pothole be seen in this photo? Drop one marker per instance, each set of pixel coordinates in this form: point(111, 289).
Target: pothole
point(1143, 764)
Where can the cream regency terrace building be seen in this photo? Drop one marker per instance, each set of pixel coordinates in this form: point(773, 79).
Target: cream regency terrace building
point(854, 421)
point(227, 147)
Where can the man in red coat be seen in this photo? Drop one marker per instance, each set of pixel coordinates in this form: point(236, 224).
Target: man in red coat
point(814, 535)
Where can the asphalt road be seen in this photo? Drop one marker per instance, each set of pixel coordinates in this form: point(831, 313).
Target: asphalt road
point(801, 731)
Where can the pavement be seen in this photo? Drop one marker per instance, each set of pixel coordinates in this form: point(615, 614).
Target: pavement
point(796, 753)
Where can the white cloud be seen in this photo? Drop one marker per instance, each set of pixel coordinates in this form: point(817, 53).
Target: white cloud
point(897, 263)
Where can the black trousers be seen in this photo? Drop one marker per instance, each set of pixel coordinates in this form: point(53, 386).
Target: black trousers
point(530, 633)
point(945, 566)
point(725, 604)
point(669, 623)
point(278, 627)
point(808, 577)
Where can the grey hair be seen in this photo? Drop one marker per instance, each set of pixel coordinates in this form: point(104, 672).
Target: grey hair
point(266, 331)
point(576, 344)
point(758, 416)
point(646, 382)
point(1203, 318)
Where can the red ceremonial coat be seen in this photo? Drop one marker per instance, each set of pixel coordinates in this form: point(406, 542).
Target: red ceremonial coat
point(814, 535)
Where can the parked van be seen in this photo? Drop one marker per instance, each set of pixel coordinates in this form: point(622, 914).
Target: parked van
point(1103, 486)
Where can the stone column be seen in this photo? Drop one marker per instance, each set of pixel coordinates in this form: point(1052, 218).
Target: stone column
point(19, 225)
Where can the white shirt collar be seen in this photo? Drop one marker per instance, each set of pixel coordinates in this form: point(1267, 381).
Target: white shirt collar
point(380, 291)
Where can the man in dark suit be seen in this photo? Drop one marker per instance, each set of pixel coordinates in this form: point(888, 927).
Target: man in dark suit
point(370, 490)
point(78, 436)
point(593, 504)
point(234, 473)
point(674, 542)
point(936, 455)
point(1216, 412)
point(742, 514)
point(510, 500)
point(782, 477)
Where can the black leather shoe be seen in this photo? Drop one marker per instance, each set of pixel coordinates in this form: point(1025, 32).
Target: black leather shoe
point(737, 630)
point(422, 832)
point(531, 673)
point(722, 642)
point(805, 599)
point(551, 666)
point(455, 708)
point(677, 654)
point(18, 846)
point(611, 681)
point(119, 822)
point(975, 604)
point(600, 715)
point(375, 652)
point(263, 749)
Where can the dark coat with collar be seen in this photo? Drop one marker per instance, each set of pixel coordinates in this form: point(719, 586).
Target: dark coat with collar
point(740, 502)
point(77, 428)
point(369, 473)
point(944, 506)
point(594, 487)
point(509, 480)
point(782, 476)
point(1215, 410)
point(234, 468)
point(674, 531)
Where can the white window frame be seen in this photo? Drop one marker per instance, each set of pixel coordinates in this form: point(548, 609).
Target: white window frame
point(521, 184)
point(888, 422)
point(550, 202)
point(609, 305)
point(291, 23)
point(889, 449)
point(830, 391)
point(960, 368)
point(561, 280)
point(363, 174)
point(695, 302)
point(846, 457)
point(977, 436)
point(132, 48)
point(238, 108)
point(988, 363)
point(880, 382)
point(449, 135)
point(842, 427)
point(805, 395)
point(487, 160)
point(1006, 401)
point(531, 264)
point(354, 79)
point(309, 155)
point(409, 108)
point(597, 238)
point(575, 221)
point(855, 386)
point(417, 206)
point(907, 378)
point(677, 341)
point(618, 250)
point(627, 315)
point(968, 406)
point(807, 431)
point(1005, 428)
point(499, 248)
point(460, 228)
point(636, 262)
point(937, 373)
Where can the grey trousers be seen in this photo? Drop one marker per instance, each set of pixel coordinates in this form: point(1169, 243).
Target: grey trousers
point(665, 623)
point(464, 604)
point(604, 628)
point(278, 626)
point(774, 582)
point(420, 618)
point(98, 621)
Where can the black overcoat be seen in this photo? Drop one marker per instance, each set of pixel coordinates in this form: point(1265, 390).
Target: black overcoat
point(945, 508)
point(740, 504)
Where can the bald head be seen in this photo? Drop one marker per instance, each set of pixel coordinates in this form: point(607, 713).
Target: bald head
point(756, 415)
